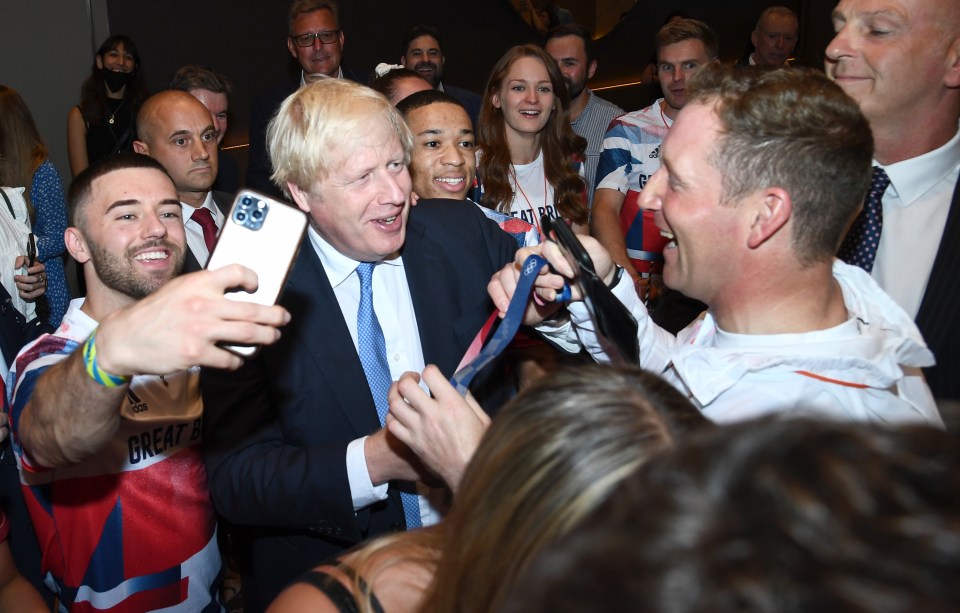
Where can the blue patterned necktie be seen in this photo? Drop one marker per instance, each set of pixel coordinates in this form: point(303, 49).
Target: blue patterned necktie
point(859, 248)
point(373, 356)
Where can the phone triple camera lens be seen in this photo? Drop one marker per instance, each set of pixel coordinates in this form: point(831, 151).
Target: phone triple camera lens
point(250, 212)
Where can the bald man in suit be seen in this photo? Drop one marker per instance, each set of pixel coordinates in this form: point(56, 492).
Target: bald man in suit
point(176, 129)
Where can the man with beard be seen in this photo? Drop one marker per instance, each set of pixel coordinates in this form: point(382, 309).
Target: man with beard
point(178, 131)
point(423, 53)
point(631, 154)
point(572, 47)
point(106, 412)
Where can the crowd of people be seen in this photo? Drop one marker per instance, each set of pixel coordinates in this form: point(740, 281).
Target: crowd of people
point(781, 443)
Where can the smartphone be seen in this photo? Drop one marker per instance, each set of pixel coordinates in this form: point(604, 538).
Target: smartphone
point(264, 235)
point(30, 258)
point(616, 327)
point(31, 250)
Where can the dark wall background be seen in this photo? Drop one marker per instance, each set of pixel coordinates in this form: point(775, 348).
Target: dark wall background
point(45, 54)
point(245, 39)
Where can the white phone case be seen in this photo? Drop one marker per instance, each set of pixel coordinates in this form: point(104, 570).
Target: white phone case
point(267, 245)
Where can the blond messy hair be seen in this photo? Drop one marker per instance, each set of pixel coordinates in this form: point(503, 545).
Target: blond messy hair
point(316, 126)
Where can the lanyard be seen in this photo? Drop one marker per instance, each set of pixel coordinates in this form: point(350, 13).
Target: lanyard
point(473, 362)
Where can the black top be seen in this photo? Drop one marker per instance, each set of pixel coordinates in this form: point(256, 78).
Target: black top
point(341, 597)
point(228, 175)
point(104, 138)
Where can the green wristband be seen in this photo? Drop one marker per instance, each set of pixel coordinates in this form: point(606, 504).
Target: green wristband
point(93, 369)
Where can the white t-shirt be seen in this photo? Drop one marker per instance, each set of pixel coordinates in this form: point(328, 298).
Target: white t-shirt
point(532, 194)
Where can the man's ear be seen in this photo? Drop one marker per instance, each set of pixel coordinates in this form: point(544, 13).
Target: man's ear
point(299, 196)
point(952, 77)
point(772, 214)
point(141, 147)
point(591, 69)
point(291, 48)
point(76, 245)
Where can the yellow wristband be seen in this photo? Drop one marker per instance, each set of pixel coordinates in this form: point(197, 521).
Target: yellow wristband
point(93, 369)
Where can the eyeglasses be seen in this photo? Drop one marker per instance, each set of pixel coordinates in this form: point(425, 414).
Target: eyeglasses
point(327, 37)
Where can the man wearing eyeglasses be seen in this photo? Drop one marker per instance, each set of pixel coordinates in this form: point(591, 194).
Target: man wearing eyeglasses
point(316, 41)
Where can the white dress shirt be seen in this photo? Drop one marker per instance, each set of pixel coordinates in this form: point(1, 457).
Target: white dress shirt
point(394, 308)
point(915, 208)
point(194, 231)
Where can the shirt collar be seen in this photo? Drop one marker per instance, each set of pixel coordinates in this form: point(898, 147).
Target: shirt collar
point(338, 266)
point(586, 108)
point(207, 204)
point(913, 178)
point(303, 79)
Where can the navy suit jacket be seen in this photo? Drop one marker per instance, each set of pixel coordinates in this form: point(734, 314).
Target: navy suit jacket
point(262, 109)
point(469, 100)
point(223, 200)
point(276, 432)
point(939, 315)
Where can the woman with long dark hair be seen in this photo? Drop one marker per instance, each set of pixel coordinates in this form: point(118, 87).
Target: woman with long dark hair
point(105, 121)
point(528, 151)
point(24, 162)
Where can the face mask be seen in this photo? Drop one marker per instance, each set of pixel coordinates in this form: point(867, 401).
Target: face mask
point(116, 80)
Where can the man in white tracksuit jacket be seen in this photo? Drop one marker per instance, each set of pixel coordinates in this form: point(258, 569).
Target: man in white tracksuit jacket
point(761, 175)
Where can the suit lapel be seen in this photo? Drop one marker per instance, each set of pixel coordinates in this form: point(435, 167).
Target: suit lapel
point(431, 283)
point(190, 263)
point(223, 200)
point(324, 339)
point(937, 316)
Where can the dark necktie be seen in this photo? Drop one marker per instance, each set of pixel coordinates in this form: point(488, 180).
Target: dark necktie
point(859, 248)
point(372, 348)
point(203, 217)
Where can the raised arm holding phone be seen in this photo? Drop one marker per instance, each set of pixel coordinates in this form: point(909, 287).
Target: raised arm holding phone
point(106, 412)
